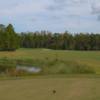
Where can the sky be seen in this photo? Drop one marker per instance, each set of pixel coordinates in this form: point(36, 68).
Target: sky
point(51, 15)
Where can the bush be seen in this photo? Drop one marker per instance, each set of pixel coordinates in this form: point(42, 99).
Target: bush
point(66, 67)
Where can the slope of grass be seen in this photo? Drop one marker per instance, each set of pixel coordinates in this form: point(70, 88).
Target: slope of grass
point(41, 57)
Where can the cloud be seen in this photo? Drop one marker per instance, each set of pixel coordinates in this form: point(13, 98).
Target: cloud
point(53, 15)
point(95, 6)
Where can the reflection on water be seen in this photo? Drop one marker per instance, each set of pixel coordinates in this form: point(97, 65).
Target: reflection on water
point(31, 69)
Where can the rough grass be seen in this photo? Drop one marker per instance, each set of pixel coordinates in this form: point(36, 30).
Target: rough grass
point(66, 67)
point(46, 58)
point(41, 89)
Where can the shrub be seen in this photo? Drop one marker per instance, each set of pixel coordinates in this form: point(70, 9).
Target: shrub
point(66, 67)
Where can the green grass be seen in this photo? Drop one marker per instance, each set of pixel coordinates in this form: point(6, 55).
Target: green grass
point(40, 88)
point(47, 58)
point(68, 87)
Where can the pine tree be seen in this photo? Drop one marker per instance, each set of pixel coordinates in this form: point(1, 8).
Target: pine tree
point(9, 40)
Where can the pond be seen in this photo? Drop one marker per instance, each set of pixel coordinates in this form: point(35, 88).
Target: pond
point(29, 69)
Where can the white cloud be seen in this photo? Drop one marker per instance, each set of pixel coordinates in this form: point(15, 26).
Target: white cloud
point(54, 15)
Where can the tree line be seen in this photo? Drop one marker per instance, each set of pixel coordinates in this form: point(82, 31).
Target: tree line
point(10, 40)
point(60, 41)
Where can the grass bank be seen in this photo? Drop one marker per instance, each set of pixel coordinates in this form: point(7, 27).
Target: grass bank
point(55, 61)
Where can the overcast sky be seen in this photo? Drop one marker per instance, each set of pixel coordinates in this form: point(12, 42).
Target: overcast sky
point(52, 15)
